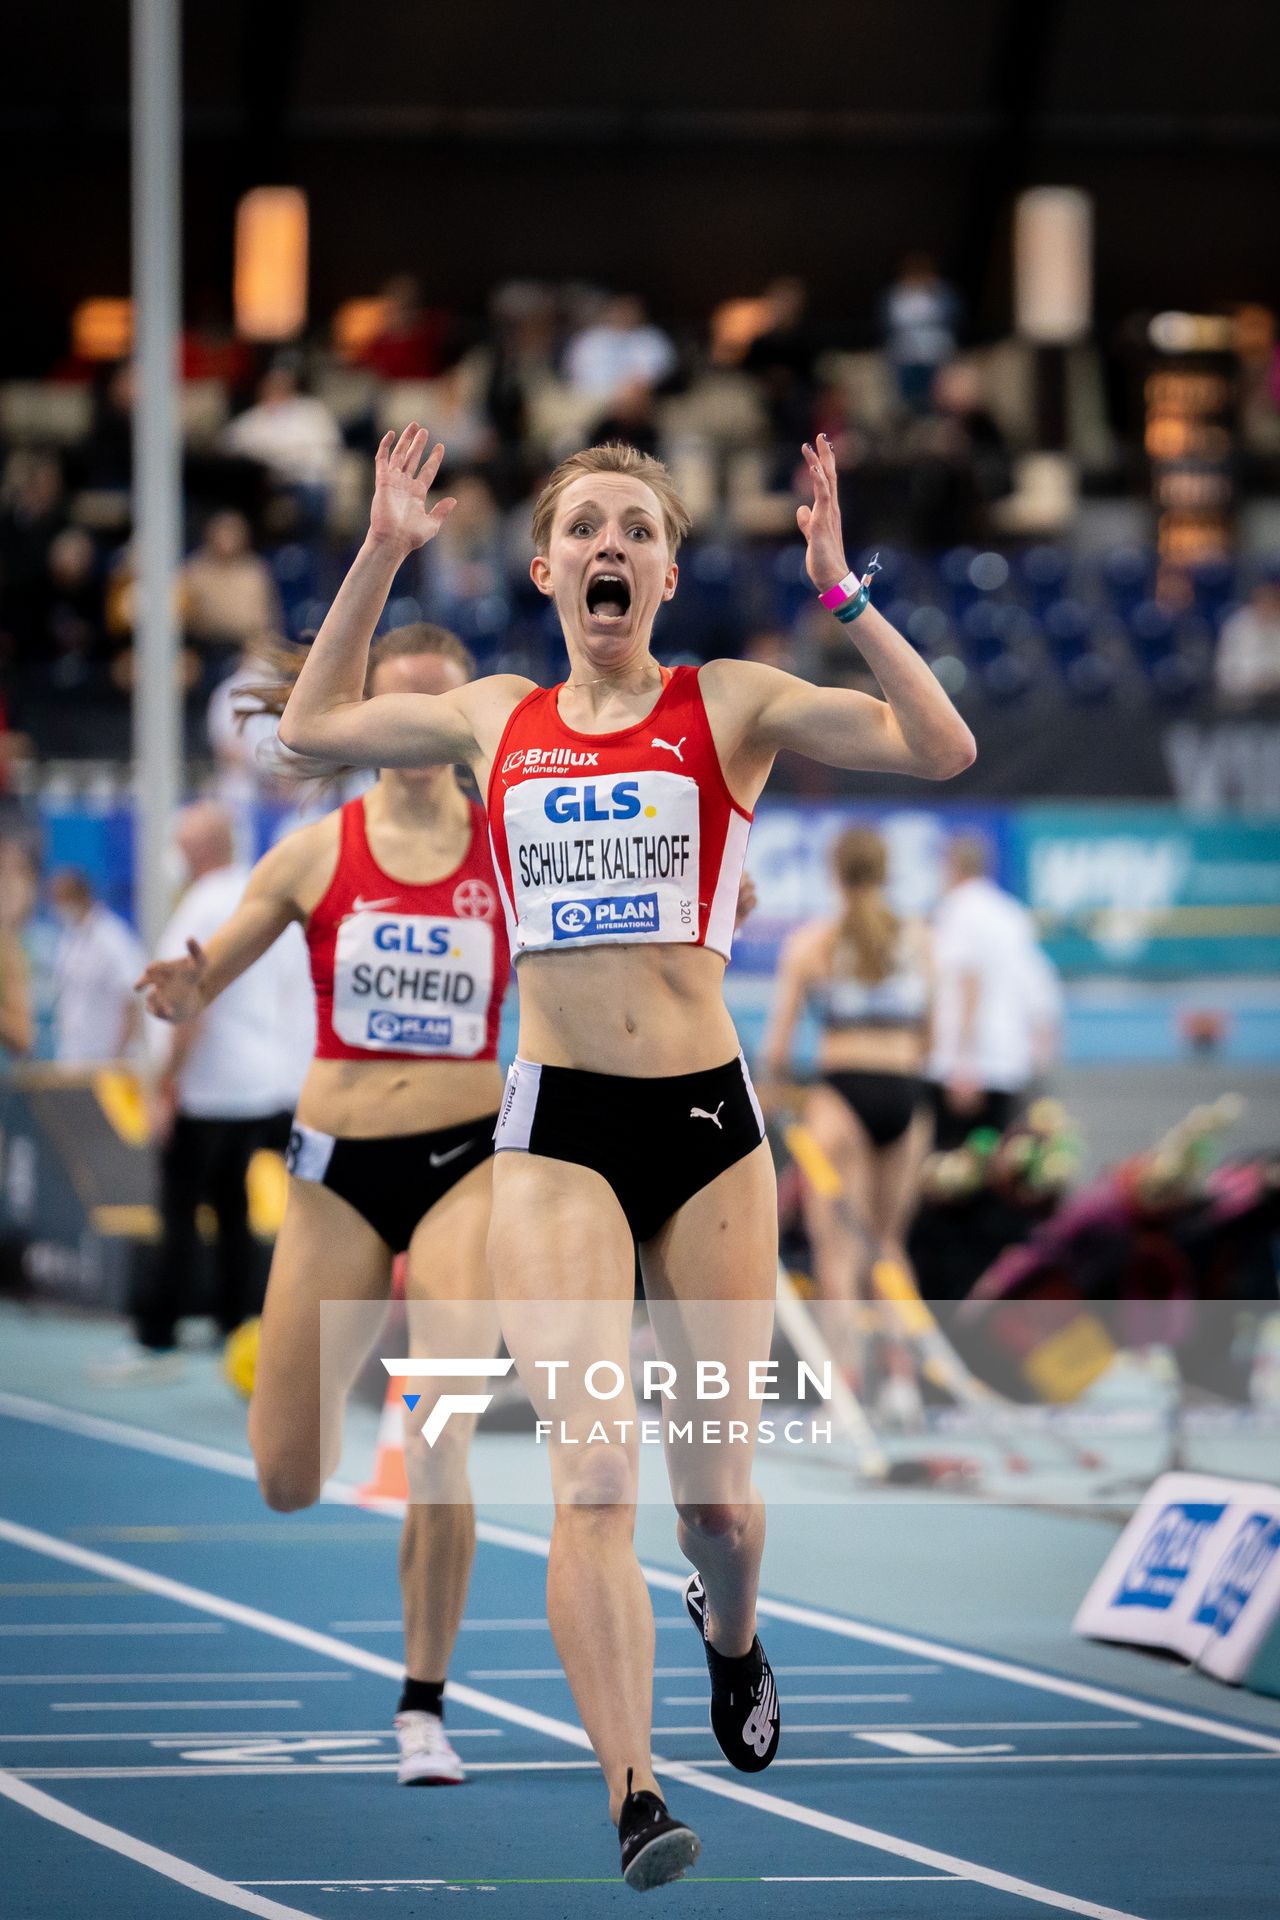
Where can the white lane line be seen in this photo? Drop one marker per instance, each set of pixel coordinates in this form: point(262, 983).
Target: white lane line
point(168, 1864)
point(149, 1627)
point(800, 1699)
point(152, 1679)
point(562, 1730)
point(283, 1768)
point(680, 1673)
point(164, 1706)
point(223, 1738)
point(764, 1879)
point(920, 1726)
point(924, 1746)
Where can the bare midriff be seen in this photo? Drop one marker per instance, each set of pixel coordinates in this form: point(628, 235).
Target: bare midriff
point(372, 1099)
point(643, 1012)
point(871, 1050)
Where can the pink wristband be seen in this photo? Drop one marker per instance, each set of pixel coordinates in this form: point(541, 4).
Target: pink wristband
point(840, 595)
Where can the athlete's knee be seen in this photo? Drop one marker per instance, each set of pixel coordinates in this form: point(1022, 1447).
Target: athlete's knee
point(596, 1491)
point(724, 1520)
point(438, 1472)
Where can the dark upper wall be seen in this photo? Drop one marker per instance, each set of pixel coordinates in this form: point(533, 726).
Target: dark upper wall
point(686, 150)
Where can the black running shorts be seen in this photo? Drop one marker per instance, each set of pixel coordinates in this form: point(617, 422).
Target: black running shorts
point(656, 1142)
point(394, 1181)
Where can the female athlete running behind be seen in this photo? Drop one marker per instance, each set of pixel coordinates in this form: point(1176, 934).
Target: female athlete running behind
point(392, 1144)
point(867, 976)
point(619, 805)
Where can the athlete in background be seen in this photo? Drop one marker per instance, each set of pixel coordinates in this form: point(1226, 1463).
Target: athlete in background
point(392, 1144)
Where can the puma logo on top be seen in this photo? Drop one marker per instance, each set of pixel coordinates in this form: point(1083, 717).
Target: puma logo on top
point(700, 1113)
point(672, 749)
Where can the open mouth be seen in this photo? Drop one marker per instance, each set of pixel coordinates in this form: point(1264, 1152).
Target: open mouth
point(608, 597)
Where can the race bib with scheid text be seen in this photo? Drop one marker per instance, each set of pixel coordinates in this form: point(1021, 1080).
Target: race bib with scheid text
point(604, 858)
point(412, 984)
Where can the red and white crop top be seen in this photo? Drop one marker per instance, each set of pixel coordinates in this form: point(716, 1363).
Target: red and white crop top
point(630, 836)
point(402, 971)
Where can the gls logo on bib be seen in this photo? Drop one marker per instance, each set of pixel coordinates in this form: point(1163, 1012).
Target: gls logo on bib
point(630, 914)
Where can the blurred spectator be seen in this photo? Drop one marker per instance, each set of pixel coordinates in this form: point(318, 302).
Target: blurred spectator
point(522, 364)
point(1247, 663)
point(294, 436)
point(108, 452)
point(225, 1084)
point(782, 357)
point(412, 341)
point(228, 594)
point(70, 634)
point(18, 887)
point(246, 768)
point(632, 418)
point(97, 1015)
point(468, 557)
point(32, 511)
point(957, 460)
point(618, 350)
point(994, 1008)
point(919, 317)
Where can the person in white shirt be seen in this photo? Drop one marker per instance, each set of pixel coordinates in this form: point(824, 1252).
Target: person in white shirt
point(996, 1007)
point(96, 1016)
point(1246, 666)
point(294, 435)
point(224, 1086)
point(619, 350)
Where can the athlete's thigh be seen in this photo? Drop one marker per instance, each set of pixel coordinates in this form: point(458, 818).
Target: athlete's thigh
point(324, 1253)
point(711, 1278)
point(843, 1138)
point(450, 1307)
point(896, 1176)
point(562, 1264)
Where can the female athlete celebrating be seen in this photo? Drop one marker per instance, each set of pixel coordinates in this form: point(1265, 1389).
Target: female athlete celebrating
point(619, 807)
point(391, 1150)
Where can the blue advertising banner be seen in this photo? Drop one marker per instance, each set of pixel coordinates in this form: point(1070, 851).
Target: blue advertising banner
point(1149, 891)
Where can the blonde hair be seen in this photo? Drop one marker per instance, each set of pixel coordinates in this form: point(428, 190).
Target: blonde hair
point(420, 637)
point(615, 457)
point(868, 931)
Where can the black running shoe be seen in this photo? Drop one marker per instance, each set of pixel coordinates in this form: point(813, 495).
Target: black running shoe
point(745, 1716)
point(655, 1848)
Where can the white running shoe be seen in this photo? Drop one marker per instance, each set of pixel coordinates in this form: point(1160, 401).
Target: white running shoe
point(137, 1366)
point(426, 1758)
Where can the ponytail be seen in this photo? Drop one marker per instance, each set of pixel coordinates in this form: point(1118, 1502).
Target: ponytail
point(868, 933)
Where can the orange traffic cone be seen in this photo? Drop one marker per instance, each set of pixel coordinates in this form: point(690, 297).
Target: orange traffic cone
point(390, 1481)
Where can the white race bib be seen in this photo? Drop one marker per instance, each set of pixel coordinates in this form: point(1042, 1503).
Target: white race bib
point(608, 857)
point(409, 983)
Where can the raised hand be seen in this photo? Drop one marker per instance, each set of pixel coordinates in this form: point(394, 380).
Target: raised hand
point(173, 987)
point(399, 516)
point(820, 523)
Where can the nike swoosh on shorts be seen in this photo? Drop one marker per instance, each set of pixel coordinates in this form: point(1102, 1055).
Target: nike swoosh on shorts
point(442, 1159)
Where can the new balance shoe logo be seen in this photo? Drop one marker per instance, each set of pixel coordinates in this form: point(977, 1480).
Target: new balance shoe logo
point(700, 1113)
point(757, 1729)
point(670, 749)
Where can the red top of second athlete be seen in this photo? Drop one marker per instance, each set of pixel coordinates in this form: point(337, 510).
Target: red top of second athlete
point(403, 970)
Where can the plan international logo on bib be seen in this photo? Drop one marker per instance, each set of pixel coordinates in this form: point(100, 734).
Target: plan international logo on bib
point(410, 1029)
point(629, 914)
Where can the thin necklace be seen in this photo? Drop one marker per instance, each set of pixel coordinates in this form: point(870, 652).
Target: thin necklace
point(576, 685)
